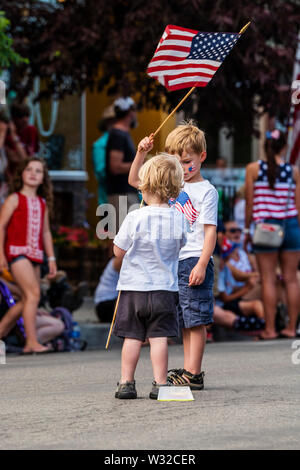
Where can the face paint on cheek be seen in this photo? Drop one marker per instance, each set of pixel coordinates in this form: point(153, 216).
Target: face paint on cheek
point(192, 168)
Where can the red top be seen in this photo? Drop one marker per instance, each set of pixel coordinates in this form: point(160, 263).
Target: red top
point(24, 233)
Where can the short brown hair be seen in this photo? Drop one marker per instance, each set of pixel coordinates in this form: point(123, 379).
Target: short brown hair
point(186, 138)
point(162, 175)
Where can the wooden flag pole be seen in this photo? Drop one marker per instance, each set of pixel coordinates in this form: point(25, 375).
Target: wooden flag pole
point(188, 94)
point(156, 132)
point(245, 27)
point(174, 111)
point(113, 320)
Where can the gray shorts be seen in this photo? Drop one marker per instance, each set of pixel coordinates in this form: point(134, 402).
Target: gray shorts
point(196, 303)
point(151, 314)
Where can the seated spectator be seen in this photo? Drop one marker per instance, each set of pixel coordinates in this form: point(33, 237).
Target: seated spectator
point(226, 318)
point(241, 261)
point(239, 323)
point(230, 293)
point(106, 292)
point(47, 326)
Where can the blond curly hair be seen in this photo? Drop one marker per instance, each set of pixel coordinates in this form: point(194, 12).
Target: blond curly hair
point(161, 175)
point(186, 137)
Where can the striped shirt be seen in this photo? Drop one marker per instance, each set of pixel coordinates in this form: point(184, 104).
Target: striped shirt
point(272, 203)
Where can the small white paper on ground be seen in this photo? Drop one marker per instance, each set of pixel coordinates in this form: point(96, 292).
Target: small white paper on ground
point(175, 394)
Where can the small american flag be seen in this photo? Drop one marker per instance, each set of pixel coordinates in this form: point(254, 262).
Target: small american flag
point(188, 58)
point(184, 204)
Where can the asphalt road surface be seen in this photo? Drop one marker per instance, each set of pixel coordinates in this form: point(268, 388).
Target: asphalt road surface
point(66, 401)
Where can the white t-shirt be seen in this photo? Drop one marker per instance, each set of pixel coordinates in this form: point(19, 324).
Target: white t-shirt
point(152, 238)
point(199, 202)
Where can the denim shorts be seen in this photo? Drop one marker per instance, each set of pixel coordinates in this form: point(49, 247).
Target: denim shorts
point(34, 263)
point(196, 303)
point(291, 241)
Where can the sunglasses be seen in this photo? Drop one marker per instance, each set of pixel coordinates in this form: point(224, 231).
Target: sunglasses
point(234, 230)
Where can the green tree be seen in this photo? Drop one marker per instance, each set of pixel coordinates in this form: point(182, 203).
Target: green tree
point(65, 43)
point(7, 54)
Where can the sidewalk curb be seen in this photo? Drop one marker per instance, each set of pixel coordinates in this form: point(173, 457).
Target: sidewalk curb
point(96, 335)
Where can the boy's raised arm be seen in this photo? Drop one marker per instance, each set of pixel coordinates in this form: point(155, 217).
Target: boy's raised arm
point(144, 147)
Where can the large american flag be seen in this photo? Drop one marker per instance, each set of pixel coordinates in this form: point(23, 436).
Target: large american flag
point(188, 58)
point(184, 204)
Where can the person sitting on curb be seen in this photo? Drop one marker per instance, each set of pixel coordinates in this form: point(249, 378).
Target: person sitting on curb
point(231, 294)
point(47, 326)
point(106, 293)
point(242, 261)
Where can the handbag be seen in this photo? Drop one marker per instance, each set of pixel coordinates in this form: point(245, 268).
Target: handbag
point(268, 234)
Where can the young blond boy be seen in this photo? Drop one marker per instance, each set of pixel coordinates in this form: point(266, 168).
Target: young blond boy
point(149, 242)
point(198, 201)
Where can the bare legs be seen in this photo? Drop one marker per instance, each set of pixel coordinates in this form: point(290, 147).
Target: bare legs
point(48, 327)
point(10, 319)
point(27, 277)
point(252, 307)
point(267, 263)
point(223, 317)
point(194, 340)
point(289, 261)
point(159, 358)
point(130, 356)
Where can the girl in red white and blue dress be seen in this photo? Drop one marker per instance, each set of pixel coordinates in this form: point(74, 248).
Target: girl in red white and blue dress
point(273, 195)
point(24, 236)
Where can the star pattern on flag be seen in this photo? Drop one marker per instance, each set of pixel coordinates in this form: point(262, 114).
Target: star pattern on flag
point(213, 46)
point(284, 173)
point(188, 58)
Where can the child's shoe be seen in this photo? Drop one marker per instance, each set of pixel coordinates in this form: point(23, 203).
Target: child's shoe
point(155, 389)
point(195, 381)
point(126, 391)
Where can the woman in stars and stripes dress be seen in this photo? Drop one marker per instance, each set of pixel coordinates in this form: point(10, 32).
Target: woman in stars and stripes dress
point(273, 195)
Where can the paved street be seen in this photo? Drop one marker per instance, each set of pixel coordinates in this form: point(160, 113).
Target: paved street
point(66, 401)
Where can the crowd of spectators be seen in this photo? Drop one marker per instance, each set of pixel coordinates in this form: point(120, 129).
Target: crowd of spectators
point(256, 290)
point(19, 145)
